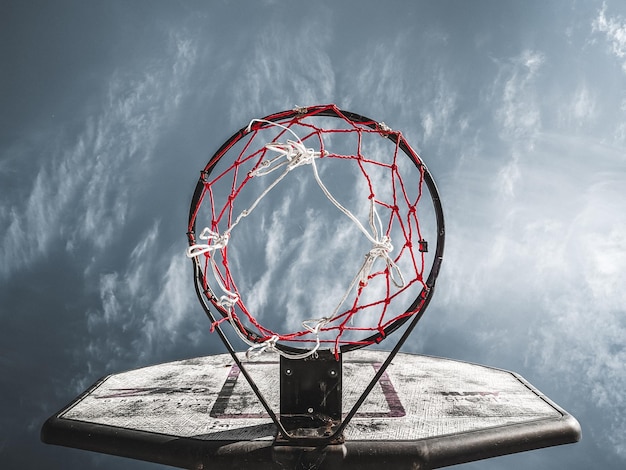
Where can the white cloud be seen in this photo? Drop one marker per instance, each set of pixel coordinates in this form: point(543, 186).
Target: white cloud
point(139, 261)
point(82, 190)
point(580, 108)
point(539, 275)
point(584, 104)
point(427, 103)
point(518, 114)
point(508, 177)
point(270, 77)
point(275, 234)
point(145, 308)
point(514, 95)
point(110, 303)
point(614, 28)
point(174, 299)
point(438, 114)
point(261, 294)
point(428, 125)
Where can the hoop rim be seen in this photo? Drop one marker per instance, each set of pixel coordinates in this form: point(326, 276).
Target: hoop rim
point(417, 307)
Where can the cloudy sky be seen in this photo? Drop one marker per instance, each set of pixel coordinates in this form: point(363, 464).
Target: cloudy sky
point(109, 110)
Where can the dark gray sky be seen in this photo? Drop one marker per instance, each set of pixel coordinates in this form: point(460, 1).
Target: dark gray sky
point(109, 110)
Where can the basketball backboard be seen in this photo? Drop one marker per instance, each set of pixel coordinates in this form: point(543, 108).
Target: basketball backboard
point(424, 412)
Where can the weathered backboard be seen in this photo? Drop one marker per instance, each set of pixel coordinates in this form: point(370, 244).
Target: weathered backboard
point(425, 412)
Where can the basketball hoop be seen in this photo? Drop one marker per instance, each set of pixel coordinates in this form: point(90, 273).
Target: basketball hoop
point(342, 208)
point(386, 199)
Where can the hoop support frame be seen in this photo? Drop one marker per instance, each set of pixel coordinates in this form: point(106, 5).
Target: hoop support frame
point(302, 424)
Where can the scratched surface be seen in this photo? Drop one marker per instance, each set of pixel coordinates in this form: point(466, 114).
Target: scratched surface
point(208, 398)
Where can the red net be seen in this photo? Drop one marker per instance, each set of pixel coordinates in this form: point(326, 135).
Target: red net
point(348, 183)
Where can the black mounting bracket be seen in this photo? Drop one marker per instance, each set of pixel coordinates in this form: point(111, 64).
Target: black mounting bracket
point(310, 396)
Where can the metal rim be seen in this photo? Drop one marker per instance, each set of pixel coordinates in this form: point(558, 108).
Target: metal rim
point(417, 307)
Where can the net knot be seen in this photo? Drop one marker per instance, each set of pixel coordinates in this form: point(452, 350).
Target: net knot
point(315, 325)
point(290, 155)
point(268, 345)
point(384, 127)
point(301, 109)
point(381, 249)
point(228, 300)
point(216, 242)
point(215, 324)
